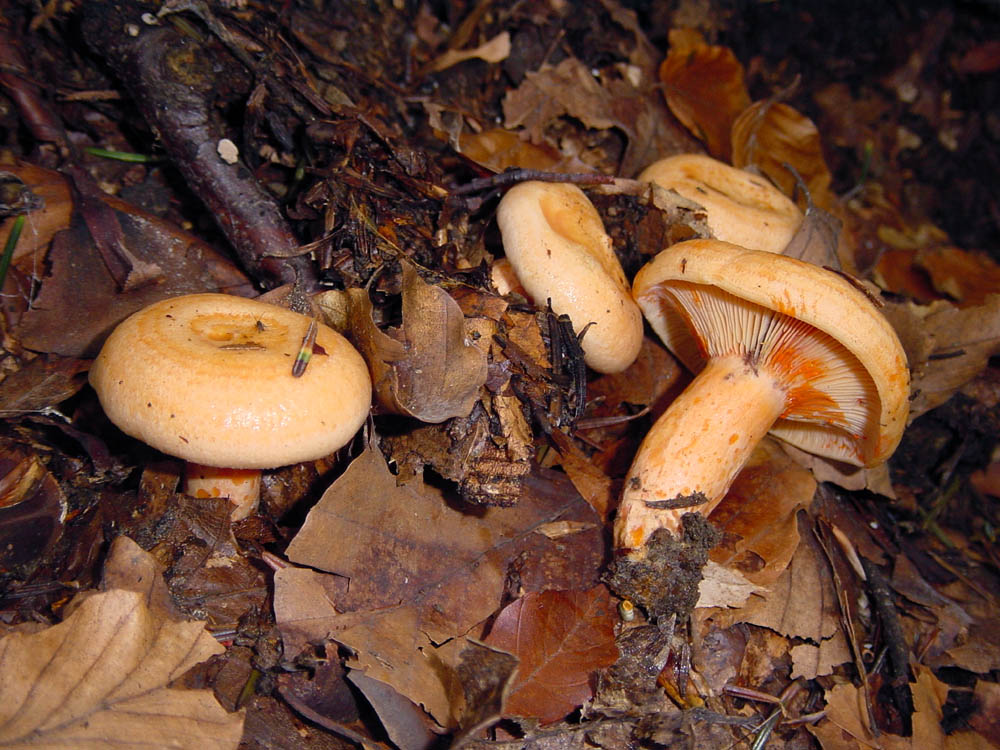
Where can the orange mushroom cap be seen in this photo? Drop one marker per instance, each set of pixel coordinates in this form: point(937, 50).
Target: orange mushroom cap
point(208, 378)
point(777, 345)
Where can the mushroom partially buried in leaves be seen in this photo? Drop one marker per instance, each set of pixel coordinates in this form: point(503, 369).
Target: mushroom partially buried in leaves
point(555, 241)
point(740, 207)
point(778, 345)
point(208, 378)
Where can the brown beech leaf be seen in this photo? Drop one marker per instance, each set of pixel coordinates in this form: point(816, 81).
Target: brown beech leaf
point(811, 661)
point(967, 277)
point(770, 134)
point(32, 508)
point(757, 516)
point(422, 572)
point(500, 149)
point(41, 224)
point(705, 89)
point(41, 384)
point(560, 638)
point(846, 725)
point(723, 587)
point(596, 487)
point(946, 346)
point(130, 568)
point(100, 679)
point(801, 603)
point(407, 726)
point(621, 98)
point(427, 369)
point(550, 92)
point(409, 546)
point(80, 303)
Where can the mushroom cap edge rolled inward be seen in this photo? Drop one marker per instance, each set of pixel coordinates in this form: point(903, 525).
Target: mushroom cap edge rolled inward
point(778, 345)
point(740, 207)
point(555, 241)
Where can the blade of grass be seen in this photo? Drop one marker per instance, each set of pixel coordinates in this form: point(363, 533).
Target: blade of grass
point(8, 250)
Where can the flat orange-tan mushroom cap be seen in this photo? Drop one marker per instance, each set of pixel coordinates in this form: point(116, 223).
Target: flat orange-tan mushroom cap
point(556, 243)
point(740, 207)
point(208, 378)
point(848, 388)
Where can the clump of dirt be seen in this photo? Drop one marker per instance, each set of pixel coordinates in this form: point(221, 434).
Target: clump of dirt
point(665, 580)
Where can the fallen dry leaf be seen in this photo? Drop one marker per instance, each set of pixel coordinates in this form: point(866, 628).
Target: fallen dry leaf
point(130, 568)
point(770, 134)
point(100, 678)
point(846, 726)
point(946, 346)
point(596, 487)
point(481, 677)
point(811, 661)
point(422, 572)
point(560, 638)
point(757, 516)
point(817, 238)
point(801, 603)
point(41, 224)
point(41, 385)
point(723, 587)
point(426, 369)
point(620, 98)
point(875, 479)
point(80, 302)
point(966, 277)
point(405, 545)
point(500, 149)
point(705, 89)
point(406, 725)
point(32, 508)
point(493, 51)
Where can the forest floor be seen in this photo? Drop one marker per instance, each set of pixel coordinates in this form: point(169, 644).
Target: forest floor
point(442, 580)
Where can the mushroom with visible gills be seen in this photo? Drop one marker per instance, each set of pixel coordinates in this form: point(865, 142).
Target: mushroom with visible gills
point(778, 345)
point(208, 378)
point(740, 207)
point(555, 242)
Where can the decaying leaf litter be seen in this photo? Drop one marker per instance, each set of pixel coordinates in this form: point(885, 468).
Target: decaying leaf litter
point(441, 580)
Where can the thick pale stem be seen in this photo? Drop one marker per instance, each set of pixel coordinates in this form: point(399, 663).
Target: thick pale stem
point(241, 486)
point(694, 451)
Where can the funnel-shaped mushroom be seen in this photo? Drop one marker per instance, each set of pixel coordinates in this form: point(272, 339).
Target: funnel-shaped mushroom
point(208, 378)
point(778, 345)
point(556, 243)
point(741, 208)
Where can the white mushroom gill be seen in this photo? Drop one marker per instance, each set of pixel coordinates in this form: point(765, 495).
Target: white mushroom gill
point(761, 366)
point(823, 381)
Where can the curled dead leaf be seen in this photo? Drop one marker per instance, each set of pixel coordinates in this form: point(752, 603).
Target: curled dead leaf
point(705, 89)
point(426, 369)
point(770, 134)
point(41, 224)
point(493, 51)
point(758, 515)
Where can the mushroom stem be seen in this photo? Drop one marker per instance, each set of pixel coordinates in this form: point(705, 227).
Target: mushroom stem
point(693, 452)
point(241, 486)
